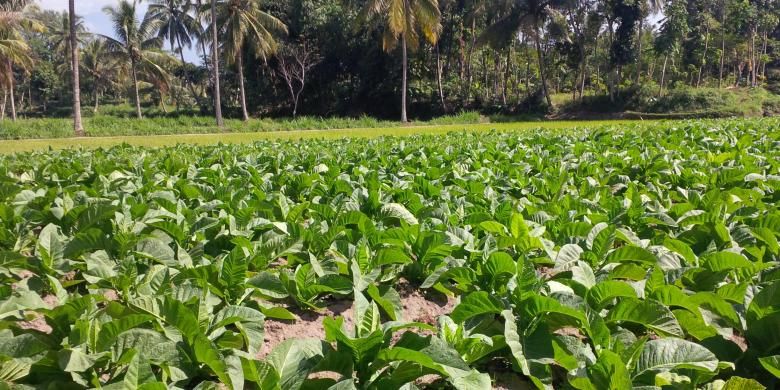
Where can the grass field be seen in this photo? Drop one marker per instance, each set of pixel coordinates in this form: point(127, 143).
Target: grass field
point(26, 145)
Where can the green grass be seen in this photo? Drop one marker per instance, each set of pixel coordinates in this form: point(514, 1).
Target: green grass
point(25, 145)
point(115, 121)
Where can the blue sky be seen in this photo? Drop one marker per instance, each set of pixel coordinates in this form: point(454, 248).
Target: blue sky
point(97, 21)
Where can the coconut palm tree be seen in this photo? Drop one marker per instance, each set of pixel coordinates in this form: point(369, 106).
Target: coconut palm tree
point(178, 25)
point(135, 42)
point(404, 20)
point(13, 49)
point(78, 128)
point(99, 66)
point(58, 33)
point(215, 67)
point(529, 16)
point(242, 24)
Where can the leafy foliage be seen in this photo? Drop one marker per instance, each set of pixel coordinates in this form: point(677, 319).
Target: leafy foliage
point(606, 259)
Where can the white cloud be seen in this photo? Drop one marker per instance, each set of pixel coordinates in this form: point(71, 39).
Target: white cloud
point(96, 21)
point(83, 7)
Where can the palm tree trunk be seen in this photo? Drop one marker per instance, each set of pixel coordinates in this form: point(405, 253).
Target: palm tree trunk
point(404, 64)
point(753, 58)
point(187, 79)
point(507, 73)
point(527, 70)
point(469, 55)
point(78, 127)
point(663, 76)
point(722, 47)
point(11, 89)
point(2, 108)
point(542, 74)
point(639, 53)
point(215, 65)
point(97, 100)
point(242, 91)
point(438, 79)
point(135, 89)
point(584, 75)
point(704, 55)
point(763, 55)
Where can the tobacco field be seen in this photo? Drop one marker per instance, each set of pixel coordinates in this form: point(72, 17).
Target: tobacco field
point(632, 256)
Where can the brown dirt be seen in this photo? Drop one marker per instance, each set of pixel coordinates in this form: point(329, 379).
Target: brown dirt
point(740, 341)
point(37, 323)
point(419, 306)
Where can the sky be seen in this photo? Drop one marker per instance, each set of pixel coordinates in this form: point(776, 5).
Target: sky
point(97, 22)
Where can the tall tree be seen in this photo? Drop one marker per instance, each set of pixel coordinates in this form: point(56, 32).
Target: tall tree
point(674, 28)
point(135, 42)
point(529, 16)
point(58, 33)
point(244, 26)
point(78, 127)
point(99, 67)
point(403, 21)
point(179, 26)
point(215, 66)
point(13, 48)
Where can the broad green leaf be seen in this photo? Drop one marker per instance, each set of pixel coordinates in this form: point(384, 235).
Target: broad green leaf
point(474, 304)
point(396, 210)
point(771, 364)
point(648, 313)
point(609, 372)
point(739, 383)
point(294, 359)
point(632, 254)
point(673, 353)
point(725, 261)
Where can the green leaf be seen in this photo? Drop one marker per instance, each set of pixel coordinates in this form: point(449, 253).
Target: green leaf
point(739, 383)
point(725, 261)
point(493, 227)
point(648, 313)
point(474, 304)
point(156, 250)
point(278, 313)
point(269, 285)
point(600, 239)
point(110, 330)
point(294, 359)
point(74, 360)
point(609, 372)
point(13, 370)
point(248, 321)
point(182, 318)
point(633, 254)
point(21, 346)
point(771, 364)
point(673, 353)
point(232, 275)
point(397, 210)
point(387, 299)
point(607, 290)
point(50, 247)
point(512, 338)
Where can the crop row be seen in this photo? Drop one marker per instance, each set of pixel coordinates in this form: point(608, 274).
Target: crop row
point(642, 257)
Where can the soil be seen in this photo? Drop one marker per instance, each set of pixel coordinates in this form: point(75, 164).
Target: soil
point(419, 306)
point(37, 323)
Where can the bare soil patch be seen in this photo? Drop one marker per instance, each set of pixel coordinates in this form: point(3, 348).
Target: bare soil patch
point(418, 306)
